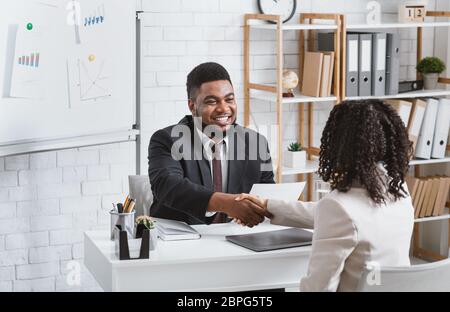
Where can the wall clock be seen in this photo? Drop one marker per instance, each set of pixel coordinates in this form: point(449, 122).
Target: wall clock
point(285, 8)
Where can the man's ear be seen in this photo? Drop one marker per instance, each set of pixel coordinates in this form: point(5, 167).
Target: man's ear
point(191, 105)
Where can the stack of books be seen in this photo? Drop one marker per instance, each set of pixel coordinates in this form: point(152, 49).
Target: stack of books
point(429, 195)
point(318, 74)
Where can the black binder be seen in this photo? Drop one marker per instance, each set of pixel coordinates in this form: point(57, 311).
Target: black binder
point(279, 239)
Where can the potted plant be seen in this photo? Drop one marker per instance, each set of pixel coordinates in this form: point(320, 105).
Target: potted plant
point(147, 223)
point(430, 68)
point(295, 156)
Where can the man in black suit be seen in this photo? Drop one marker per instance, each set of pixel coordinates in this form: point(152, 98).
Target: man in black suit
point(198, 167)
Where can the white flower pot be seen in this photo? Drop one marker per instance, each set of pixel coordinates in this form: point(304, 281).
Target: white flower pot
point(153, 239)
point(295, 159)
point(430, 81)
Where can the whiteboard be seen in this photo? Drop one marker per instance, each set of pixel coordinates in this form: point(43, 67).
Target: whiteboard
point(67, 69)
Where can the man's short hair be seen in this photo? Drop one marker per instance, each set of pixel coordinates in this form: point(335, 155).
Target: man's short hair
point(205, 72)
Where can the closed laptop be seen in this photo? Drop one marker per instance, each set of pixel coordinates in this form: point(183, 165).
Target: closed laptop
point(271, 240)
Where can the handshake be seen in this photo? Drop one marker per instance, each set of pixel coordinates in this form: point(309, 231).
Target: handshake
point(245, 209)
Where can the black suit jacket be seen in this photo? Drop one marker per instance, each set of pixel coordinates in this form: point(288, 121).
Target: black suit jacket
point(183, 186)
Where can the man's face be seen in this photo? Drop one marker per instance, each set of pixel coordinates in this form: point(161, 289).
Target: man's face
point(215, 104)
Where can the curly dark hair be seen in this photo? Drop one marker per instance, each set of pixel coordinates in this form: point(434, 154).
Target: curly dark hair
point(357, 136)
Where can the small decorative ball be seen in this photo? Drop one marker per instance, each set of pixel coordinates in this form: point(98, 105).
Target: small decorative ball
point(29, 26)
point(290, 79)
point(91, 58)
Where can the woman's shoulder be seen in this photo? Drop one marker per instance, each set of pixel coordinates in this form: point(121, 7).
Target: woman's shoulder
point(346, 203)
point(356, 203)
point(334, 202)
point(355, 195)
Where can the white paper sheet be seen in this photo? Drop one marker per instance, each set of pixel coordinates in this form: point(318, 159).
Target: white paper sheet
point(283, 191)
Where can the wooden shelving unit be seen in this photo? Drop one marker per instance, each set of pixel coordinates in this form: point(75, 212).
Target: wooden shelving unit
point(417, 250)
point(273, 93)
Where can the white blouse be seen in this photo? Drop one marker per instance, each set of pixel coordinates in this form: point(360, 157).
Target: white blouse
point(349, 232)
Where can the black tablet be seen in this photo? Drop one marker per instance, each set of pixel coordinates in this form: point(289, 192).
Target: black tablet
point(271, 240)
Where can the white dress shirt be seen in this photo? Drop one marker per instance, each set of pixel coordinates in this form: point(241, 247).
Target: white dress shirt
point(207, 145)
point(349, 232)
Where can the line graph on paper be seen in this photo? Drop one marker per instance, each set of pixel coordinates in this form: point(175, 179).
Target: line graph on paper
point(91, 81)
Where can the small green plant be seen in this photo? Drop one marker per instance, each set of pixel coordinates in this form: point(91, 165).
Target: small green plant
point(430, 65)
point(295, 147)
point(148, 222)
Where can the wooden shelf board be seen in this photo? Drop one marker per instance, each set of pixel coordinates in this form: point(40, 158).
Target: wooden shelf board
point(413, 94)
point(398, 25)
point(295, 26)
point(298, 98)
point(416, 162)
point(311, 167)
point(443, 217)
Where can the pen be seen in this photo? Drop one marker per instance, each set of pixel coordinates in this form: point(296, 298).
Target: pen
point(119, 208)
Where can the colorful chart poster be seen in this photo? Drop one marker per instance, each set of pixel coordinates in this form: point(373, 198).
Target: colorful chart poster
point(26, 78)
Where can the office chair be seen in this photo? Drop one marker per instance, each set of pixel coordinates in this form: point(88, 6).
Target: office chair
point(140, 190)
point(427, 277)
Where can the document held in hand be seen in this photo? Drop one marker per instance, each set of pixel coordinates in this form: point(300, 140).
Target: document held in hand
point(282, 191)
point(175, 230)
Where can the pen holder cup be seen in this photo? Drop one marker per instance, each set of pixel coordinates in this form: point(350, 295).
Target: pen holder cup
point(122, 245)
point(124, 220)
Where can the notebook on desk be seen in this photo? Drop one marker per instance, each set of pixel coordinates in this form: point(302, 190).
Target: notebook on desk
point(272, 240)
point(175, 230)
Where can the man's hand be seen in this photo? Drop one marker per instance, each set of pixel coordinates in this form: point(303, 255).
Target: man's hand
point(247, 211)
point(256, 200)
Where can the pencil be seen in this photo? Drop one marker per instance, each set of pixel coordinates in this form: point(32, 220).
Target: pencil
point(131, 206)
point(126, 203)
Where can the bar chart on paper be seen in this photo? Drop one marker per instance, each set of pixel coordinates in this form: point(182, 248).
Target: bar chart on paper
point(25, 79)
point(96, 17)
point(29, 60)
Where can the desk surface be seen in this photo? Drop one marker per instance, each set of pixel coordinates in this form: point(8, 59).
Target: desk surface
point(197, 259)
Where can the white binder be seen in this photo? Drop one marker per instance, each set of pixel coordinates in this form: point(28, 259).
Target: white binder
point(424, 143)
point(403, 109)
point(352, 79)
point(415, 120)
point(392, 63)
point(365, 65)
point(441, 129)
point(378, 64)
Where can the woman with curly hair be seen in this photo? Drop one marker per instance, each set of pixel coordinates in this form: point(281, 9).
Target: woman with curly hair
point(368, 216)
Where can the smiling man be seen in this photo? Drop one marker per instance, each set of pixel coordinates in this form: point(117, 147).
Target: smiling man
point(198, 167)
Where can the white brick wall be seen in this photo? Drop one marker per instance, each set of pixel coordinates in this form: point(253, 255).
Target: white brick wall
point(39, 270)
point(37, 284)
point(7, 273)
point(26, 240)
point(17, 162)
point(48, 199)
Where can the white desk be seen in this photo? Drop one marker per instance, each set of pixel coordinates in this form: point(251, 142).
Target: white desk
point(208, 264)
